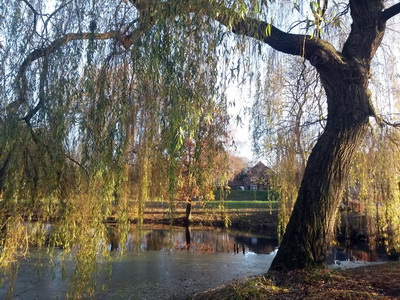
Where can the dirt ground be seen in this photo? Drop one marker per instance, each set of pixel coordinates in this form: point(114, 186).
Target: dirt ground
point(371, 282)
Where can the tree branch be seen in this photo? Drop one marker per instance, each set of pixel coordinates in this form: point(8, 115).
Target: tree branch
point(21, 80)
point(390, 12)
point(31, 7)
point(317, 51)
point(42, 82)
point(80, 165)
point(395, 125)
point(366, 32)
point(295, 44)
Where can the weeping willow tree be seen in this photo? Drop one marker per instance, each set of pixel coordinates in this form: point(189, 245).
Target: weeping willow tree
point(374, 181)
point(76, 129)
point(346, 114)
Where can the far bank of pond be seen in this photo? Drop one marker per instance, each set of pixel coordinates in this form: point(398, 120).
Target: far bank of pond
point(257, 216)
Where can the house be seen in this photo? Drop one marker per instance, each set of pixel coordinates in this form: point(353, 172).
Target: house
point(256, 178)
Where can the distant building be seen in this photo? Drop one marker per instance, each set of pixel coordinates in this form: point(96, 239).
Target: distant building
point(255, 178)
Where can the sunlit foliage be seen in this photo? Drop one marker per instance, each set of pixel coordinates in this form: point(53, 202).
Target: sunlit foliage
point(90, 129)
point(375, 182)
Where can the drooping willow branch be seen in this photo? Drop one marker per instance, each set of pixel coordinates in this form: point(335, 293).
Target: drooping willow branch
point(21, 80)
point(316, 51)
point(151, 12)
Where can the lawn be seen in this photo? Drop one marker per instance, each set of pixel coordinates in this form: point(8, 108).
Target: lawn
point(245, 204)
point(235, 195)
point(229, 204)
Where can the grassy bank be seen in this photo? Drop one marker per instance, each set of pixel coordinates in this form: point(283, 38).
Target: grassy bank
point(244, 214)
point(264, 219)
point(372, 282)
point(245, 204)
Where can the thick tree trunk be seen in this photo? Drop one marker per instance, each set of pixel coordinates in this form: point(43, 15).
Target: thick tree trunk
point(310, 229)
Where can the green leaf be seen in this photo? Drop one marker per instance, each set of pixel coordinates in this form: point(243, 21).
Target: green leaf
point(268, 30)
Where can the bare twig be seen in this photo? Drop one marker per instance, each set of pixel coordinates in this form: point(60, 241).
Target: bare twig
point(386, 122)
point(31, 7)
point(80, 165)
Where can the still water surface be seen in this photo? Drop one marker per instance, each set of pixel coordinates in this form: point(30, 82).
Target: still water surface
point(162, 263)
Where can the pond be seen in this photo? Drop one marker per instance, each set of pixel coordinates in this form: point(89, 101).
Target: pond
point(160, 262)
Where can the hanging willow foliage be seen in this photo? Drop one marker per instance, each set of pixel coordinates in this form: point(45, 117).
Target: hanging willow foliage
point(95, 116)
point(374, 181)
point(287, 119)
point(92, 128)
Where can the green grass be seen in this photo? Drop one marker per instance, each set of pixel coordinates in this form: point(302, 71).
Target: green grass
point(235, 195)
point(252, 204)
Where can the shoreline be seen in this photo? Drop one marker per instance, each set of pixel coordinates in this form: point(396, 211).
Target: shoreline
point(379, 281)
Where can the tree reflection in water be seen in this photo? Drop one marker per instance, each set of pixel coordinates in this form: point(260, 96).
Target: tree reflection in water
point(188, 239)
point(162, 238)
point(79, 259)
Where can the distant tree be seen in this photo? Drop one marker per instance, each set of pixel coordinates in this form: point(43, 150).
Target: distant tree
point(236, 166)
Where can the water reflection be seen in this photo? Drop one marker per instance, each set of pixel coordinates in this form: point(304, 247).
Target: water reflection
point(113, 238)
point(205, 240)
point(212, 240)
point(188, 235)
point(357, 251)
point(158, 261)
